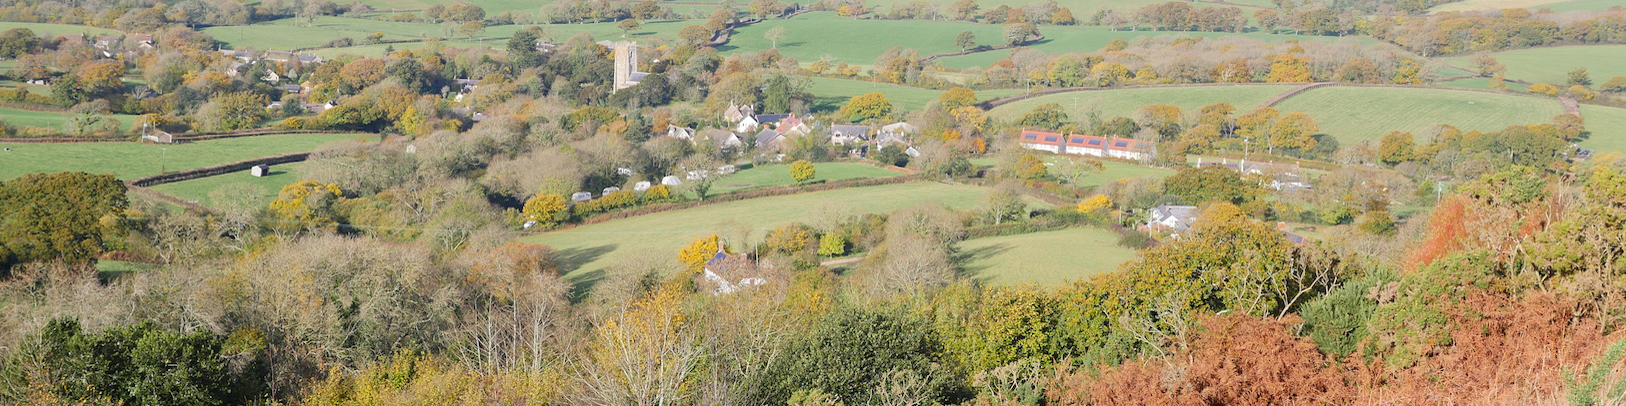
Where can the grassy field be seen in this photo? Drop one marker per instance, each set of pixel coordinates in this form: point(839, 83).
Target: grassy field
point(778, 175)
point(1092, 38)
point(378, 50)
point(587, 250)
point(1552, 65)
point(830, 94)
point(1050, 258)
point(42, 29)
point(1582, 5)
point(197, 190)
point(1555, 5)
point(52, 120)
point(1359, 114)
point(1118, 170)
point(1124, 102)
point(130, 160)
point(811, 36)
point(1608, 127)
point(293, 33)
point(1480, 84)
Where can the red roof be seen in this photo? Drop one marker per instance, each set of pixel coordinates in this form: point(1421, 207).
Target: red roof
point(1125, 144)
point(1040, 137)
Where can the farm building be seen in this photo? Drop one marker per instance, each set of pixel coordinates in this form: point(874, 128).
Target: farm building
point(260, 171)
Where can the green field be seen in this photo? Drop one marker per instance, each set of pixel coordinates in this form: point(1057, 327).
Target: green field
point(377, 50)
point(1552, 65)
point(778, 175)
point(291, 33)
point(42, 29)
point(1555, 5)
point(197, 190)
point(1360, 114)
point(1118, 170)
point(131, 160)
point(1608, 127)
point(1124, 102)
point(1480, 84)
point(830, 94)
point(53, 120)
point(587, 250)
point(1092, 38)
point(1582, 5)
point(1050, 258)
point(811, 36)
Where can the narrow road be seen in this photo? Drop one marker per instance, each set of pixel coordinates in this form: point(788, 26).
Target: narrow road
point(842, 261)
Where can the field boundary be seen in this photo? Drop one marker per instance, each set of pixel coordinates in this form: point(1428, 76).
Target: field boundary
point(189, 138)
point(932, 57)
point(992, 103)
point(216, 170)
point(160, 196)
point(1292, 92)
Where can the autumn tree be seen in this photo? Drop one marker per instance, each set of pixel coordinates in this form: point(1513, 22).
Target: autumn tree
point(695, 35)
point(958, 97)
point(1210, 184)
point(232, 111)
point(1289, 68)
point(1395, 147)
point(695, 255)
point(802, 172)
point(1294, 130)
point(850, 352)
point(17, 42)
point(774, 35)
point(646, 354)
point(1016, 34)
point(627, 25)
point(102, 78)
point(1579, 77)
point(547, 209)
point(866, 107)
point(308, 204)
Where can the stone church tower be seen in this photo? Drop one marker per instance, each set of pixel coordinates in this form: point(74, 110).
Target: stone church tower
point(626, 64)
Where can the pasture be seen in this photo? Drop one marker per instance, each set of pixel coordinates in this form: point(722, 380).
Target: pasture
point(1608, 127)
point(129, 160)
point(1124, 102)
point(43, 29)
point(1480, 84)
point(586, 252)
point(1552, 65)
point(829, 94)
point(264, 188)
point(53, 119)
point(811, 36)
point(1119, 170)
point(1359, 114)
point(1555, 5)
point(1092, 38)
point(1582, 5)
point(1047, 258)
point(779, 175)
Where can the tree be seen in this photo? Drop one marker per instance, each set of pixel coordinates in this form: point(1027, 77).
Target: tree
point(1289, 68)
point(17, 42)
point(1046, 116)
point(891, 154)
point(472, 28)
point(232, 111)
point(774, 35)
point(1095, 204)
point(1615, 85)
point(1294, 130)
point(1063, 16)
point(694, 256)
point(1016, 34)
point(102, 78)
point(143, 364)
point(1579, 77)
point(627, 25)
point(868, 106)
point(64, 215)
point(646, 10)
point(833, 244)
point(547, 209)
point(308, 204)
point(802, 172)
point(1543, 88)
point(1074, 170)
point(1209, 184)
point(965, 40)
point(849, 352)
point(958, 97)
point(696, 36)
point(1395, 147)
point(1003, 204)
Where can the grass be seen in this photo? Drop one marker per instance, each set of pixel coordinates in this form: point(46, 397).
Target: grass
point(811, 36)
point(778, 175)
point(291, 33)
point(110, 269)
point(198, 190)
point(1359, 114)
point(1555, 5)
point(53, 120)
point(1049, 258)
point(378, 50)
point(1582, 5)
point(1552, 65)
point(1608, 127)
point(586, 251)
point(1124, 102)
point(830, 94)
point(129, 160)
point(42, 29)
point(1118, 170)
point(1092, 38)
point(1480, 84)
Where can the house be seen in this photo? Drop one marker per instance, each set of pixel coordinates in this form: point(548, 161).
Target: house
point(746, 125)
point(723, 140)
point(737, 113)
point(260, 171)
point(274, 105)
point(900, 128)
point(159, 136)
point(726, 274)
point(848, 134)
point(911, 152)
point(310, 59)
point(293, 88)
point(770, 118)
point(792, 126)
point(244, 56)
point(141, 40)
point(1125, 148)
point(271, 76)
point(682, 133)
point(1042, 141)
point(727, 170)
point(106, 41)
point(1085, 145)
point(466, 84)
point(318, 108)
point(285, 56)
point(1171, 219)
point(767, 140)
point(546, 46)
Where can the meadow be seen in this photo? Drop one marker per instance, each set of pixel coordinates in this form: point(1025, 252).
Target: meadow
point(1608, 127)
point(53, 119)
point(1092, 38)
point(1582, 5)
point(1555, 5)
point(264, 188)
point(1480, 84)
point(1118, 170)
point(292, 33)
point(56, 29)
point(129, 160)
point(1359, 114)
point(829, 94)
point(1124, 102)
point(587, 251)
point(1552, 65)
point(779, 175)
point(811, 36)
point(1047, 258)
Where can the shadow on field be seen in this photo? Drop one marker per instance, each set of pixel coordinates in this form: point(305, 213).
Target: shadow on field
point(965, 258)
point(570, 261)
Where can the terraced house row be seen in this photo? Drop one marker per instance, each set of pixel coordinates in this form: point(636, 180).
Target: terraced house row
point(1080, 144)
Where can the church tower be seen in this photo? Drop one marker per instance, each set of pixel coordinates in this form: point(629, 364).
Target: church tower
point(626, 64)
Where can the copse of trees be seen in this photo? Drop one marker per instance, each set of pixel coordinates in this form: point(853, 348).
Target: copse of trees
point(66, 216)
